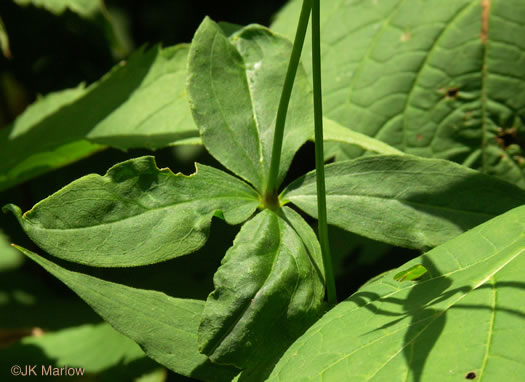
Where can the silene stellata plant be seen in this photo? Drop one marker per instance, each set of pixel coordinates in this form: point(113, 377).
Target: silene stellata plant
point(450, 314)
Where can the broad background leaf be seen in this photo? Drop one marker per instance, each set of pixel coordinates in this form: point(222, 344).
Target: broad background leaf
point(466, 318)
point(136, 214)
point(165, 327)
point(140, 103)
point(434, 79)
point(406, 200)
point(234, 87)
point(268, 290)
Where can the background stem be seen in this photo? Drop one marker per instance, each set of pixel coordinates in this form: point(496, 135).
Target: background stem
point(319, 155)
point(271, 185)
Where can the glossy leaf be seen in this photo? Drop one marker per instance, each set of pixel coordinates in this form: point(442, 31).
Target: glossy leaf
point(434, 79)
point(463, 323)
point(268, 290)
point(234, 86)
point(165, 327)
point(136, 214)
point(144, 105)
point(406, 200)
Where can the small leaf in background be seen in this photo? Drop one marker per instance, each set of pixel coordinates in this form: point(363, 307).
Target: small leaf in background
point(165, 327)
point(97, 348)
point(10, 258)
point(136, 214)
point(268, 290)
point(144, 106)
point(4, 40)
point(334, 132)
point(466, 322)
point(234, 86)
point(84, 8)
point(406, 200)
point(434, 80)
point(413, 273)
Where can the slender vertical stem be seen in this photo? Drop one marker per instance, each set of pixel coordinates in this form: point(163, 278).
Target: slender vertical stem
point(319, 155)
point(271, 185)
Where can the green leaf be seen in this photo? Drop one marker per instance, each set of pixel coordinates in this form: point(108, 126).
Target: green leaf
point(463, 321)
point(9, 257)
point(140, 103)
point(89, 9)
point(405, 200)
point(268, 290)
point(234, 87)
point(411, 274)
point(4, 40)
point(432, 78)
point(84, 8)
point(165, 327)
point(92, 347)
point(334, 132)
point(136, 214)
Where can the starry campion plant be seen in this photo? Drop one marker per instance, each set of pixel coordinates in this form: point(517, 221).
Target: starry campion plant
point(451, 314)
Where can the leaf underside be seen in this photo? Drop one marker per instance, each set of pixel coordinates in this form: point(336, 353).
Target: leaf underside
point(463, 321)
point(165, 327)
point(136, 214)
point(234, 87)
point(268, 290)
point(432, 79)
point(406, 200)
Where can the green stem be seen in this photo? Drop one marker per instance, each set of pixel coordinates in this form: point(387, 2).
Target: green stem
point(319, 155)
point(271, 185)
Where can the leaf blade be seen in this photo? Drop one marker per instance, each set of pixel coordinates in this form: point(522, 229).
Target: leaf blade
point(136, 214)
point(404, 200)
point(234, 86)
point(334, 132)
point(411, 332)
point(164, 326)
point(428, 83)
point(268, 289)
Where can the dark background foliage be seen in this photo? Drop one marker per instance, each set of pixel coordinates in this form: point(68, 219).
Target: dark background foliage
point(50, 53)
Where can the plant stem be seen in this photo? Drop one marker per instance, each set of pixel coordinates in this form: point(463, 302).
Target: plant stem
point(271, 185)
point(319, 155)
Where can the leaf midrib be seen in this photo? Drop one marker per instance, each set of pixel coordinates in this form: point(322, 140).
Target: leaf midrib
point(174, 205)
point(254, 166)
point(406, 202)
